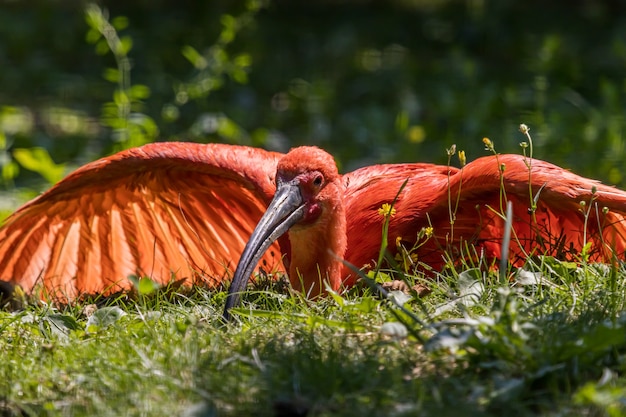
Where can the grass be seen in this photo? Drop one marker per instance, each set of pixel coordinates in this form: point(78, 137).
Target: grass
point(550, 340)
point(548, 343)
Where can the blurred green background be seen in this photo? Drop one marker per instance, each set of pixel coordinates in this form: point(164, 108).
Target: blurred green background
point(370, 81)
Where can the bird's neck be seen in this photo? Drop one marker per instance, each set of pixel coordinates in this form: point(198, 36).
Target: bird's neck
point(317, 251)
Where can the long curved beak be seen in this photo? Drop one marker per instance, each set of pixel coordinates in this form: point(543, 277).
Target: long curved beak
point(285, 210)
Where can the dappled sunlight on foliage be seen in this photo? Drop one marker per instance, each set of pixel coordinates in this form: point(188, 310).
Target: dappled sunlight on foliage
point(431, 74)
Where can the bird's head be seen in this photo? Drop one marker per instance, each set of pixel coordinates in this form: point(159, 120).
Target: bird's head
point(308, 188)
point(310, 175)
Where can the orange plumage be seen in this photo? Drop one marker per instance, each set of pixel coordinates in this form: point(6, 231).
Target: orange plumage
point(556, 227)
point(187, 210)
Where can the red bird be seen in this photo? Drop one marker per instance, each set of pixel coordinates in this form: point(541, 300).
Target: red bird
point(182, 210)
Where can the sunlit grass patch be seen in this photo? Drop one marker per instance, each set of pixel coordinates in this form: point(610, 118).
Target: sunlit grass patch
point(479, 337)
point(547, 342)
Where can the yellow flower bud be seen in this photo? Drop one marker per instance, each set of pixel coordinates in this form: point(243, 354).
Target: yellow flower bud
point(462, 159)
point(488, 144)
point(386, 210)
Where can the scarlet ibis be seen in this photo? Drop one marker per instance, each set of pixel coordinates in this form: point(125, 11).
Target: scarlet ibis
point(186, 211)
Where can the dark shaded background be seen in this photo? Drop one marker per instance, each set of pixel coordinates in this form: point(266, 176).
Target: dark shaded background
point(369, 81)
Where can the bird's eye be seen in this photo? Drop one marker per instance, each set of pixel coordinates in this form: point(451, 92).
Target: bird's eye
point(318, 181)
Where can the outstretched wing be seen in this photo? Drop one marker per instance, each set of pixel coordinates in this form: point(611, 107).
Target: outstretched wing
point(548, 216)
point(165, 210)
point(466, 210)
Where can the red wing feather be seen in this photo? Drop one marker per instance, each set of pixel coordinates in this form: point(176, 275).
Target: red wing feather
point(557, 227)
point(166, 210)
point(367, 189)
